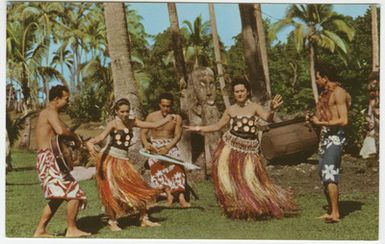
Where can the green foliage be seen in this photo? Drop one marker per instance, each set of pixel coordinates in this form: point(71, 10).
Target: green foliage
point(86, 107)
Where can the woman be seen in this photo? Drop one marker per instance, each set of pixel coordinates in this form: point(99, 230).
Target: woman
point(121, 187)
point(241, 183)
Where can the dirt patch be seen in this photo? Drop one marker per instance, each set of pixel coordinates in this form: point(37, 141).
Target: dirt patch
point(356, 175)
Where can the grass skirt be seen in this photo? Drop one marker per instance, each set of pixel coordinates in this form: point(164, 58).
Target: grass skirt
point(122, 189)
point(242, 186)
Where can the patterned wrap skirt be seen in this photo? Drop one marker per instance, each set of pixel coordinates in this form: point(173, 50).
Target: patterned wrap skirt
point(122, 189)
point(330, 150)
point(242, 186)
point(54, 182)
point(166, 174)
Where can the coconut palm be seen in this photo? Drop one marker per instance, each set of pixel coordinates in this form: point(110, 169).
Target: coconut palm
point(197, 36)
point(217, 53)
point(315, 25)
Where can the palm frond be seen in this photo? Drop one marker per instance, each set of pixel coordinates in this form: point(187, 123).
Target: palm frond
point(337, 40)
point(344, 27)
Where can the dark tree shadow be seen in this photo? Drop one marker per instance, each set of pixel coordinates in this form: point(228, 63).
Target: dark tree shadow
point(92, 224)
point(348, 207)
point(21, 184)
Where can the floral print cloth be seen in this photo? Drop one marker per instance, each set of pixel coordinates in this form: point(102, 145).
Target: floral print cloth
point(330, 150)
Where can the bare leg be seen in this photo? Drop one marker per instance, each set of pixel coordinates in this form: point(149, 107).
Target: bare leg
point(112, 222)
point(72, 212)
point(326, 193)
point(48, 212)
point(182, 201)
point(170, 198)
point(333, 195)
point(144, 221)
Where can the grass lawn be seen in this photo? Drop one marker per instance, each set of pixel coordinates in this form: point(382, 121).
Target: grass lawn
point(24, 203)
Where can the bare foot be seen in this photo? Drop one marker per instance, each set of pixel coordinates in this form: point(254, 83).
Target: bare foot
point(182, 201)
point(185, 204)
point(114, 225)
point(333, 219)
point(76, 233)
point(148, 223)
point(324, 217)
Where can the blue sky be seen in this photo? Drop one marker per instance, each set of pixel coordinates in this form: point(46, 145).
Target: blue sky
point(155, 16)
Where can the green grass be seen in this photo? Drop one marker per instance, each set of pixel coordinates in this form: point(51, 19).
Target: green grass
point(24, 203)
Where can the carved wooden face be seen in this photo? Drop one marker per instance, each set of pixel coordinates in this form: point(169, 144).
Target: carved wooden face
point(204, 86)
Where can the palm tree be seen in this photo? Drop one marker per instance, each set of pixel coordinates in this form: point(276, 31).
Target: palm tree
point(262, 45)
point(217, 53)
point(312, 23)
point(252, 53)
point(120, 53)
point(198, 40)
point(375, 64)
point(177, 40)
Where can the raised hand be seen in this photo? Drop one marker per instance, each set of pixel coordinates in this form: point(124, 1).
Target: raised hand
point(276, 102)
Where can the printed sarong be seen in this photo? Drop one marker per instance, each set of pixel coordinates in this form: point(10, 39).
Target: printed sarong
point(122, 189)
point(242, 186)
point(330, 150)
point(55, 183)
point(166, 174)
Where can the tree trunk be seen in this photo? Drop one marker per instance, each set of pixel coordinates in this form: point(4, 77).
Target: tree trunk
point(123, 77)
point(254, 67)
point(184, 144)
point(262, 46)
point(375, 60)
point(217, 53)
point(312, 73)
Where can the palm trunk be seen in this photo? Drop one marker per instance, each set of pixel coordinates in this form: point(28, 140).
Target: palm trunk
point(375, 60)
point(124, 82)
point(254, 67)
point(312, 73)
point(185, 141)
point(119, 52)
point(217, 53)
point(262, 46)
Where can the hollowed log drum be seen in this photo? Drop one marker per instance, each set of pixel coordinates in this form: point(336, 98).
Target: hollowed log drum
point(289, 139)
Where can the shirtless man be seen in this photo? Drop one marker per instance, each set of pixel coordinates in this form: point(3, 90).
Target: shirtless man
point(170, 177)
point(331, 115)
point(58, 186)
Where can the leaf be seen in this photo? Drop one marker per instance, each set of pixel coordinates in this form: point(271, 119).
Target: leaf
point(344, 27)
point(337, 40)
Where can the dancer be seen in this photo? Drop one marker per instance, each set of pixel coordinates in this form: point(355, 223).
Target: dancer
point(170, 177)
point(121, 188)
point(58, 185)
point(331, 116)
point(241, 183)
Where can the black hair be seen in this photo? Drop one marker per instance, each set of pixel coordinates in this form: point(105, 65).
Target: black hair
point(374, 75)
point(167, 96)
point(120, 102)
point(57, 92)
point(240, 81)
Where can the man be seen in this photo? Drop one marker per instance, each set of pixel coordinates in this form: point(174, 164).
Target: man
point(57, 185)
point(170, 177)
point(331, 115)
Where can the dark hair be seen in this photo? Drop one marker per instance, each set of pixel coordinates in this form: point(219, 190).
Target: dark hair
point(57, 92)
point(374, 75)
point(120, 102)
point(240, 81)
point(167, 96)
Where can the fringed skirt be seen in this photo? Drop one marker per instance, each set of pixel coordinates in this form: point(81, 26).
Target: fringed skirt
point(122, 189)
point(242, 186)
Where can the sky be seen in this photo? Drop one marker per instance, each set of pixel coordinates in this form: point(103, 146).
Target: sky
point(156, 20)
